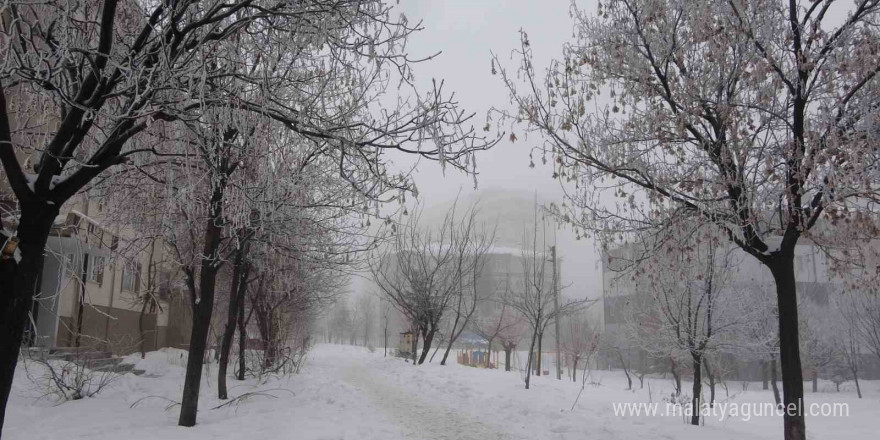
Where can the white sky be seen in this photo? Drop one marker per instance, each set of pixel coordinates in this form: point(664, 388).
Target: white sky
point(467, 31)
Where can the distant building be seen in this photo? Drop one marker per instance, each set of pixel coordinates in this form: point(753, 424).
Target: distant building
point(815, 284)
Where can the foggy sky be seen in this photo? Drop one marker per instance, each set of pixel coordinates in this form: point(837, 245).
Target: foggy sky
point(467, 32)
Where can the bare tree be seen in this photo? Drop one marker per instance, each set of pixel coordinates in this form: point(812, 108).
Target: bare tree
point(866, 311)
point(756, 116)
point(616, 345)
point(580, 341)
point(847, 336)
point(474, 243)
point(425, 273)
point(691, 303)
point(91, 86)
point(366, 305)
point(819, 350)
point(533, 296)
point(499, 323)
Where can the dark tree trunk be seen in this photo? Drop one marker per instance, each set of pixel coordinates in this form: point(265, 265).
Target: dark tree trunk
point(540, 347)
point(765, 382)
point(439, 346)
point(142, 329)
point(858, 388)
point(815, 380)
point(698, 388)
point(236, 298)
point(773, 382)
point(81, 299)
point(507, 351)
point(147, 300)
point(19, 282)
point(428, 338)
point(782, 269)
point(203, 306)
point(448, 349)
point(452, 337)
point(531, 355)
point(629, 381)
point(242, 341)
point(574, 369)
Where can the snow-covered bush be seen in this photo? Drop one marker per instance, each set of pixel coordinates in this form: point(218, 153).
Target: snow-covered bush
point(66, 379)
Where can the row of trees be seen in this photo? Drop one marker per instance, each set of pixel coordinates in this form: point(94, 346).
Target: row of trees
point(445, 281)
point(756, 117)
point(224, 128)
point(693, 305)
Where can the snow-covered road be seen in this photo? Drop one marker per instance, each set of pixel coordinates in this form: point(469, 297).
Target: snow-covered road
point(350, 393)
point(417, 414)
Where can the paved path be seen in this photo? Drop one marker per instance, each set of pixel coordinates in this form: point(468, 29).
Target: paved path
point(417, 416)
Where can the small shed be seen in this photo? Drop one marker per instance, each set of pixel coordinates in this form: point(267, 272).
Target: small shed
point(404, 345)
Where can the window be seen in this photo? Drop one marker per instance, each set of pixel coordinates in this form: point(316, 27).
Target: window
point(96, 269)
point(69, 267)
point(95, 235)
point(131, 279)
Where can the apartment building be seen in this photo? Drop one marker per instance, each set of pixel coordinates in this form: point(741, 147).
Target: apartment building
point(105, 287)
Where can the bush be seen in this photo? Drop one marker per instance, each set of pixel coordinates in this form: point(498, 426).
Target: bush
point(68, 378)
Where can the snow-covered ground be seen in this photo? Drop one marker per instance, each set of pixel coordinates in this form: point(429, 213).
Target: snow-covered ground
point(349, 393)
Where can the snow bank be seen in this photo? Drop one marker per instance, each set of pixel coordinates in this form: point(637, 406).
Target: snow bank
point(349, 393)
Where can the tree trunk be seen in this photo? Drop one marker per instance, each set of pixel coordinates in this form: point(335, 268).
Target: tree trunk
point(773, 382)
point(415, 343)
point(815, 380)
point(507, 352)
point(142, 329)
point(19, 282)
point(789, 346)
point(629, 381)
point(428, 338)
point(856, 379)
point(81, 299)
point(439, 346)
point(711, 383)
point(452, 337)
point(574, 369)
point(698, 388)
point(236, 298)
point(242, 341)
point(538, 354)
point(531, 354)
point(676, 378)
point(765, 383)
point(488, 362)
point(203, 307)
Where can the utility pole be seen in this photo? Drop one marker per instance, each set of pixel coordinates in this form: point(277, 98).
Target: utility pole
point(556, 311)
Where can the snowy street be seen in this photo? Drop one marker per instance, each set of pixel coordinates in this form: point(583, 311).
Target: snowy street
point(347, 392)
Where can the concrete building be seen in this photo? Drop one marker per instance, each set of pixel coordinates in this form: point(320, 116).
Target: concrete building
point(102, 288)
